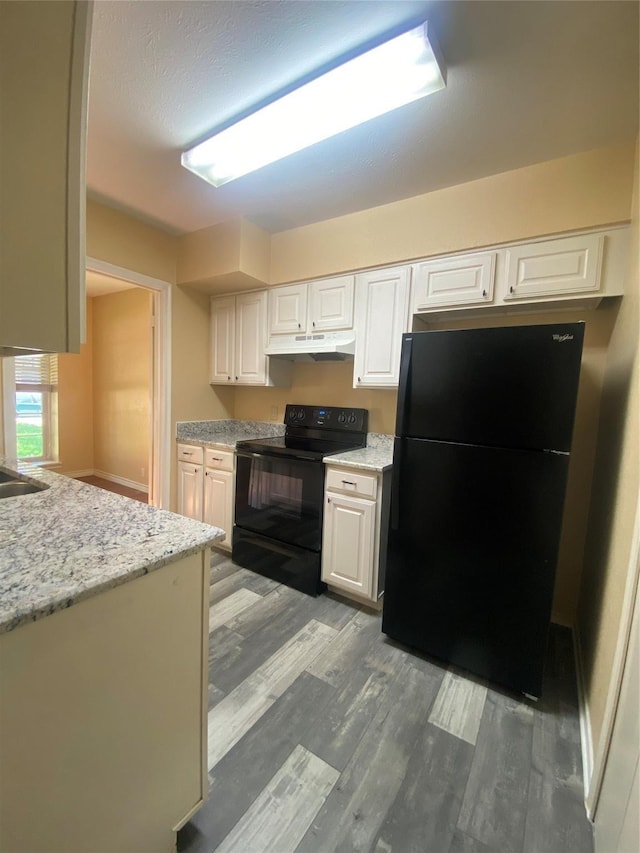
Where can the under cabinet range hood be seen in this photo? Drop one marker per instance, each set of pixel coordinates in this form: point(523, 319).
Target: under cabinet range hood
point(330, 346)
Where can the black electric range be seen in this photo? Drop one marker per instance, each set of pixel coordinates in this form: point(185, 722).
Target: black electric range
point(280, 493)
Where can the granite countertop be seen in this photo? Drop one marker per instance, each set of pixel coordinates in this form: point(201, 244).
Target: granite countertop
point(71, 541)
point(225, 433)
point(376, 456)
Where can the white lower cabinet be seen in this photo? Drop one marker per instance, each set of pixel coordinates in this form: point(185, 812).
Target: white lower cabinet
point(218, 502)
point(353, 544)
point(206, 487)
point(190, 479)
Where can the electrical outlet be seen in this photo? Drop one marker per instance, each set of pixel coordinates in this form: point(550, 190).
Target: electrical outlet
point(274, 413)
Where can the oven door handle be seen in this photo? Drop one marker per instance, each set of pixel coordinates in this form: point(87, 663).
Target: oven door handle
point(283, 457)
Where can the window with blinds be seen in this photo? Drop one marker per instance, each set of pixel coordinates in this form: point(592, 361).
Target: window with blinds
point(36, 379)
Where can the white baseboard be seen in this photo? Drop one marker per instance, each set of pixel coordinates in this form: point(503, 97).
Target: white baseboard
point(113, 478)
point(586, 735)
point(122, 481)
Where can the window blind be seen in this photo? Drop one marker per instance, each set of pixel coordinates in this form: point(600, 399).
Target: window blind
point(37, 370)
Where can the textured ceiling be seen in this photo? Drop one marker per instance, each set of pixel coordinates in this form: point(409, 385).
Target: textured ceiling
point(527, 82)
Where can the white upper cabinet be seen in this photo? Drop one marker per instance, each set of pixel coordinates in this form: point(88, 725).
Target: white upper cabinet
point(251, 316)
point(562, 271)
point(238, 341)
point(568, 265)
point(382, 316)
point(288, 309)
point(223, 325)
point(44, 67)
point(331, 304)
point(459, 280)
point(316, 306)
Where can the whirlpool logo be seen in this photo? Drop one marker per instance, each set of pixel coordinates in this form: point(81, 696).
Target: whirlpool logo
point(561, 338)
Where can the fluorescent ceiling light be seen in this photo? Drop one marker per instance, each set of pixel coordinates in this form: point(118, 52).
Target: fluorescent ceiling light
point(393, 74)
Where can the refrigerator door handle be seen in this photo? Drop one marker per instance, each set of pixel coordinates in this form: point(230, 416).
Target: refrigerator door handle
point(404, 391)
point(395, 496)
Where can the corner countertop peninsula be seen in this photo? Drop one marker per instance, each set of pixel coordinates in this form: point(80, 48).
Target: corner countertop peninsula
point(104, 623)
point(71, 541)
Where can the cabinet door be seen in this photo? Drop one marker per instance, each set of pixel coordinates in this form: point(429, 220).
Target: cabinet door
point(461, 280)
point(348, 544)
point(288, 309)
point(223, 318)
point(251, 328)
point(218, 502)
point(43, 91)
point(190, 490)
point(331, 304)
point(554, 267)
point(382, 314)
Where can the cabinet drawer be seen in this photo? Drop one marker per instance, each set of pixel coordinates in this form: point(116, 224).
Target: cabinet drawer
point(190, 453)
point(222, 459)
point(353, 483)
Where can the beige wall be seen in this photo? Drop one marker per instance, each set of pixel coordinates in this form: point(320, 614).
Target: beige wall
point(121, 383)
point(560, 195)
point(614, 496)
point(327, 383)
point(75, 405)
point(118, 239)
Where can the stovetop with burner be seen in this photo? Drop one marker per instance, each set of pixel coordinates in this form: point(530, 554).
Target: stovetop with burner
point(313, 432)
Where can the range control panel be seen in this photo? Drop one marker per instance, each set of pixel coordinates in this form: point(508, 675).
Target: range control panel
point(329, 417)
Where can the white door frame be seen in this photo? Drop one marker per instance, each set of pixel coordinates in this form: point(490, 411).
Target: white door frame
point(160, 481)
point(617, 671)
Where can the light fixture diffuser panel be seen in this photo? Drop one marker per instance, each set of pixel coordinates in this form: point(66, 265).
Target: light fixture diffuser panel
point(391, 75)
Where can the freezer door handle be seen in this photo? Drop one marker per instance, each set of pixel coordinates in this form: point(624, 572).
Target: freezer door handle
point(404, 394)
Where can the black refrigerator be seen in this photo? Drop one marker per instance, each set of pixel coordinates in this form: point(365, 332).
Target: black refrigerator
point(481, 454)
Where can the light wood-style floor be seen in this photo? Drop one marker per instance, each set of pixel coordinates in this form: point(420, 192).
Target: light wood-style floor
point(109, 486)
point(326, 736)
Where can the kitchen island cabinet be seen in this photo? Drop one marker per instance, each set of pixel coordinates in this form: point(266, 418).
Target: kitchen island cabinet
point(103, 670)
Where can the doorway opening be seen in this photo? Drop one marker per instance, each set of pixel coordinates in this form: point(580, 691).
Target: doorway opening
point(159, 459)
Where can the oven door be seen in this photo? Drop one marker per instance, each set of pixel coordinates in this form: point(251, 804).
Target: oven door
point(280, 497)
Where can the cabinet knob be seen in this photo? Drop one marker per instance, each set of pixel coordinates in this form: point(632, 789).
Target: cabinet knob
point(359, 380)
point(328, 500)
point(236, 378)
point(298, 325)
point(228, 379)
point(484, 292)
point(313, 323)
point(510, 289)
point(348, 482)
